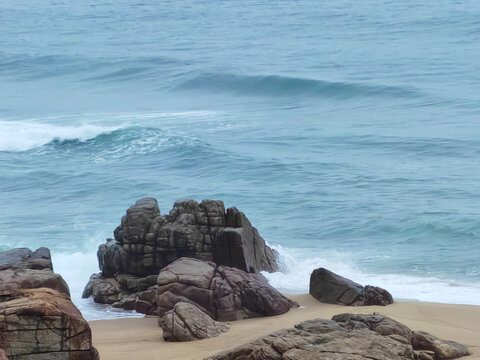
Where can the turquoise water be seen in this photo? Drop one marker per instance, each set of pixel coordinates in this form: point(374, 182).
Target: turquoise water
point(347, 132)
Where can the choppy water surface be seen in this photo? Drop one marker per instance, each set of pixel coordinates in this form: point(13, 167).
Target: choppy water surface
point(347, 132)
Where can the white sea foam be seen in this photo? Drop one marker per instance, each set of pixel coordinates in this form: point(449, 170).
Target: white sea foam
point(296, 270)
point(26, 135)
point(76, 269)
point(22, 135)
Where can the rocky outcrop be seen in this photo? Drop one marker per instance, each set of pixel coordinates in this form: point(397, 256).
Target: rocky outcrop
point(185, 322)
point(328, 287)
point(443, 349)
point(124, 291)
point(146, 242)
point(43, 324)
point(222, 292)
point(345, 337)
point(23, 269)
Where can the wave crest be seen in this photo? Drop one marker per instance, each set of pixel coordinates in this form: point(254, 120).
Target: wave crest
point(25, 135)
point(275, 85)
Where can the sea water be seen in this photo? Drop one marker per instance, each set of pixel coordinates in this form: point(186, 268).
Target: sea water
point(347, 131)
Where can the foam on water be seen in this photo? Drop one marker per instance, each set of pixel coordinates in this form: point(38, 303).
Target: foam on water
point(296, 268)
point(25, 135)
point(76, 269)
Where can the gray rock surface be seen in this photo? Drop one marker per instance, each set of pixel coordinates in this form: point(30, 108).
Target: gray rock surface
point(186, 322)
point(23, 269)
point(43, 324)
point(222, 292)
point(331, 288)
point(345, 337)
point(146, 242)
point(442, 349)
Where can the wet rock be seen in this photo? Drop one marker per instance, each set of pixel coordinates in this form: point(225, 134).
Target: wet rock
point(185, 322)
point(345, 337)
point(331, 288)
point(222, 292)
point(23, 269)
point(43, 324)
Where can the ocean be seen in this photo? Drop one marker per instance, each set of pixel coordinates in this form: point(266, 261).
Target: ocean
point(346, 131)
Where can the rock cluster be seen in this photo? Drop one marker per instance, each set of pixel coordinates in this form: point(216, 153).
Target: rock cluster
point(147, 241)
point(23, 269)
point(222, 292)
point(346, 337)
point(185, 322)
point(331, 288)
point(37, 318)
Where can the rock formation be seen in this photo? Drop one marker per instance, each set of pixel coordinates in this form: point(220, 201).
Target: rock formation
point(23, 269)
point(345, 337)
point(328, 287)
point(43, 324)
point(185, 322)
point(37, 318)
point(222, 292)
point(146, 242)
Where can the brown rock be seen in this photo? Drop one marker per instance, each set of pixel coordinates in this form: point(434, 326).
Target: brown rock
point(43, 323)
point(185, 322)
point(23, 269)
point(345, 337)
point(224, 293)
point(2, 355)
point(442, 349)
point(375, 322)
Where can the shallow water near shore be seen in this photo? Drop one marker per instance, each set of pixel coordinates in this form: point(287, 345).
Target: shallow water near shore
point(347, 133)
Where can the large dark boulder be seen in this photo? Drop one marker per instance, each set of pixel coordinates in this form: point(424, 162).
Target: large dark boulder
point(43, 324)
point(23, 269)
point(146, 242)
point(331, 288)
point(186, 322)
point(222, 292)
point(361, 337)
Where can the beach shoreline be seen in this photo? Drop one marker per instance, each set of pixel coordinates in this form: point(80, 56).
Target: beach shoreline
point(141, 338)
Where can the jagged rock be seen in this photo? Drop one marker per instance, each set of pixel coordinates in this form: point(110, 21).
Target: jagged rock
point(43, 324)
point(104, 290)
point(331, 288)
point(224, 293)
point(145, 242)
point(23, 269)
point(441, 348)
point(342, 338)
point(109, 291)
point(186, 322)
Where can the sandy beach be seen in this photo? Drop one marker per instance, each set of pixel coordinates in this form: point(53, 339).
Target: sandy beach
point(141, 338)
